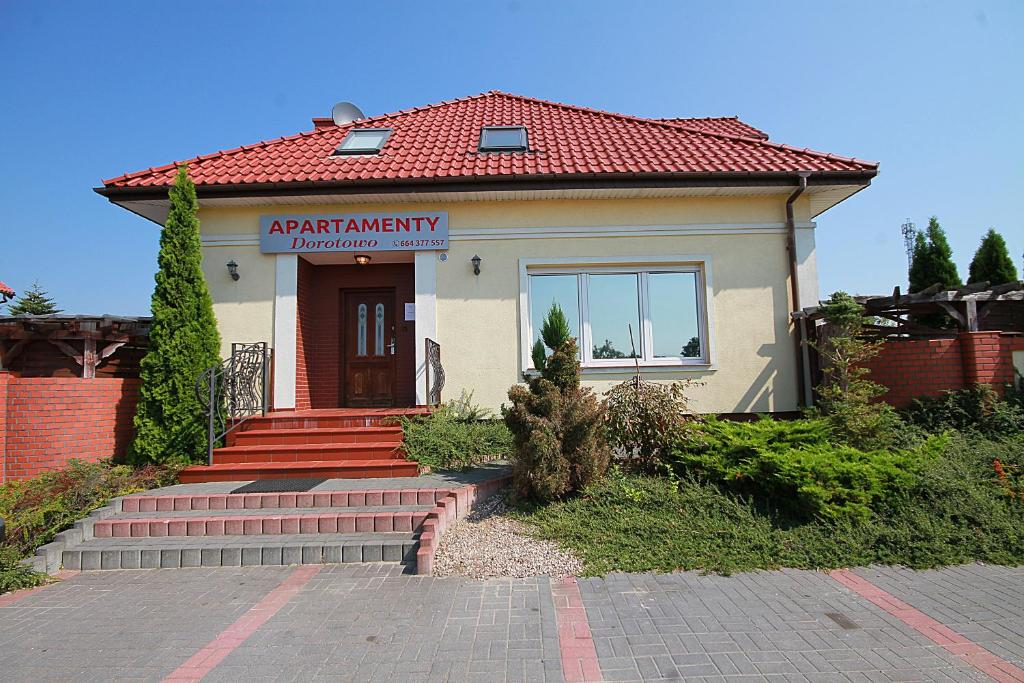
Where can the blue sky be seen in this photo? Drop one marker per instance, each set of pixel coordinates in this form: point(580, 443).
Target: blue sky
point(91, 90)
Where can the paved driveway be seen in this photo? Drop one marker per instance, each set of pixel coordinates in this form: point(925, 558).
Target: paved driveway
point(372, 623)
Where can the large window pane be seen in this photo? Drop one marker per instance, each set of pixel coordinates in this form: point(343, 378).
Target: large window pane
point(546, 290)
point(614, 305)
point(673, 310)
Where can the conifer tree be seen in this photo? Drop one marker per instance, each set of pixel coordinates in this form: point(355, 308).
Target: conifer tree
point(846, 396)
point(932, 261)
point(36, 301)
point(557, 426)
point(992, 262)
point(183, 340)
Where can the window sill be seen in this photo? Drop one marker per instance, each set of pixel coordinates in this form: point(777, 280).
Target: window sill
point(630, 369)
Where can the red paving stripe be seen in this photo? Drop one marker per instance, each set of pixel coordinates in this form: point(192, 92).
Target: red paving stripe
point(8, 599)
point(974, 654)
point(202, 662)
point(579, 658)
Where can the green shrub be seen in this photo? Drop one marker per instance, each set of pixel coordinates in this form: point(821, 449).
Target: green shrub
point(36, 509)
point(795, 466)
point(557, 426)
point(456, 436)
point(953, 511)
point(14, 575)
point(956, 510)
point(645, 419)
point(464, 408)
point(977, 409)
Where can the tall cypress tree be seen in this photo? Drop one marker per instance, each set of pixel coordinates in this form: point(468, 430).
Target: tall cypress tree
point(183, 340)
point(992, 262)
point(932, 260)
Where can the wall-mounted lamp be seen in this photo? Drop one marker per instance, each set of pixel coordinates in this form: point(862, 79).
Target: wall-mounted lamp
point(362, 259)
point(476, 264)
point(233, 270)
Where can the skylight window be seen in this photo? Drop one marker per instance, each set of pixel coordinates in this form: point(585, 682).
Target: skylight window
point(503, 139)
point(364, 141)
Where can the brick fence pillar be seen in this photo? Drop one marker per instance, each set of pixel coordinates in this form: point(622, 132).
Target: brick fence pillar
point(5, 380)
point(981, 352)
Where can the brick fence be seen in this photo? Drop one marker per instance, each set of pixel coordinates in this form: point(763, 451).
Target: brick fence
point(915, 368)
point(46, 421)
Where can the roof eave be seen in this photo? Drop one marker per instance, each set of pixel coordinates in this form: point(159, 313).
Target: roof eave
point(500, 183)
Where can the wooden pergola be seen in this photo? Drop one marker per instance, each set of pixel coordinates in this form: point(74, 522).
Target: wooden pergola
point(976, 307)
point(96, 337)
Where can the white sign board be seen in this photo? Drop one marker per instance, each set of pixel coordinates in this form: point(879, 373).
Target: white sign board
point(352, 232)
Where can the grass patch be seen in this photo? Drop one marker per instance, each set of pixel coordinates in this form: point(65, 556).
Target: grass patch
point(37, 509)
point(955, 509)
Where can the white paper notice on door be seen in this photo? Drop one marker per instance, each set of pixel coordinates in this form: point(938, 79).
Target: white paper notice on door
point(410, 312)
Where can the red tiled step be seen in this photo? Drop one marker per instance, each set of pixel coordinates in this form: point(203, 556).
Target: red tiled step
point(256, 501)
point(329, 419)
point(281, 436)
point(335, 469)
point(340, 452)
point(253, 525)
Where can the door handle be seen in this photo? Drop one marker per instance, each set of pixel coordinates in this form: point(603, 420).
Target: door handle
point(391, 346)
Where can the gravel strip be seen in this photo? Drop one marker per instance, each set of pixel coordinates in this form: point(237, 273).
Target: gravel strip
point(488, 544)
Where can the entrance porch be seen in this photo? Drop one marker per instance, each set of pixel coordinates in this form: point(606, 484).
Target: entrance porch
point(350, 335)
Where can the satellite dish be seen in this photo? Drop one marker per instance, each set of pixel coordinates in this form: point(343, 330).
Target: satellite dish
point(346, 112)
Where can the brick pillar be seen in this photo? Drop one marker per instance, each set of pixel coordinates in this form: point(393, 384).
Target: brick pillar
point(980, 353)
point(5, 380)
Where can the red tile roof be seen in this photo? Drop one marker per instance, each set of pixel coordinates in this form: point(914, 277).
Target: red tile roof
point(5, 289)
point(728, 125)
point(440, 141)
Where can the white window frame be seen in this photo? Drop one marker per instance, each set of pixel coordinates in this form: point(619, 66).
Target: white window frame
point(644, 266)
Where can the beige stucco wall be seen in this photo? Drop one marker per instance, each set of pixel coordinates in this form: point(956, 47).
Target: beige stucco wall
point(244, 309)
point(566, 212)
point(478, 317)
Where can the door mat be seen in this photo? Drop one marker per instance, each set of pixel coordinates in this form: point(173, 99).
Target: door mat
point(279, 485)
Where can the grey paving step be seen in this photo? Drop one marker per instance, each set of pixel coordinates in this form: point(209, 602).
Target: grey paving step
point(235, 551)
point(270, 512)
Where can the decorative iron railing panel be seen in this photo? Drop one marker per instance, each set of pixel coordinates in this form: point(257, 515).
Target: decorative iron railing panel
point(236, 389)
point(434, 374)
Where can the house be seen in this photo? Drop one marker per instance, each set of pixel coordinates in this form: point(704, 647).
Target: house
point(373, 253)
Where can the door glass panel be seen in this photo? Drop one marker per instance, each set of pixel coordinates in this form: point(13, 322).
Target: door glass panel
point(546, 290)
point(361, 336)
point(378, 346)
point(614, 304)
point(675, 323)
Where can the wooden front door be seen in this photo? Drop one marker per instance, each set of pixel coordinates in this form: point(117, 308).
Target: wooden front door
point(368, 348)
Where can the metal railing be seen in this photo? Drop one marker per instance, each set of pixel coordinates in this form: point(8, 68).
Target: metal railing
point(233, 391)
point(433, 372)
